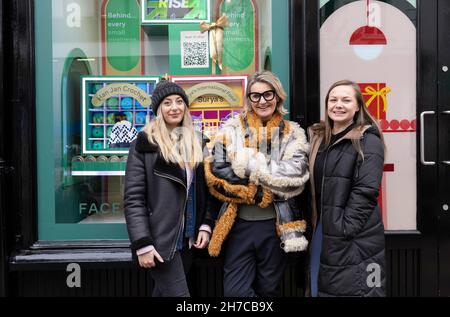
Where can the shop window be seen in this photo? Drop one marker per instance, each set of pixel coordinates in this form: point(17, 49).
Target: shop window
point(97, 63)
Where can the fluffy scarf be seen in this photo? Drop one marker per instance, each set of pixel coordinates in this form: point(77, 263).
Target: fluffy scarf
point(235, 194)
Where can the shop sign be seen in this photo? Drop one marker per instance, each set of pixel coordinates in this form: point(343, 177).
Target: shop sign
point(174, 11)
point(122, 38)
point(213, 99)
point(240, 42)
point(112, 208)
point(219, 92)
point(111, 90)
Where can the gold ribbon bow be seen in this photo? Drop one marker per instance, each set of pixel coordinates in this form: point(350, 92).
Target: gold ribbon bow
point(377, 93)
point(215, 39)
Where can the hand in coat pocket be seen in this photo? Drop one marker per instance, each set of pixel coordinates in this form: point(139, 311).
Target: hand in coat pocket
point(147, 260)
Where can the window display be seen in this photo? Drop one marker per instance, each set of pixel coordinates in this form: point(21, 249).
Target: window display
point(240, 37)
point(175, 11)
point(214, 99)
point(122, 38)
point(114, 111)
point(97, 63)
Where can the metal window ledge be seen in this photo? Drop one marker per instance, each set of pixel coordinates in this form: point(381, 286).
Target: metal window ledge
point(54, 256)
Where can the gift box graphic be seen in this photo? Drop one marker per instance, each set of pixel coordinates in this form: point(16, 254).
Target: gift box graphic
point(375, 98)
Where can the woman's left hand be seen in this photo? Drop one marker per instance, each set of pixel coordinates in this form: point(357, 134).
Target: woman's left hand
point(202, 240)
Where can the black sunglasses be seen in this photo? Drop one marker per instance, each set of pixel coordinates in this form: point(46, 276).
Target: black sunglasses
point(256, 96)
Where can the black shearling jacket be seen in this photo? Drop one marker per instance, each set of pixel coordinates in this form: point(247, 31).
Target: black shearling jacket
point(155, 197)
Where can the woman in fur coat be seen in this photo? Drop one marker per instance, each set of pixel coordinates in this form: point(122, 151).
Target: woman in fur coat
point(258, 166)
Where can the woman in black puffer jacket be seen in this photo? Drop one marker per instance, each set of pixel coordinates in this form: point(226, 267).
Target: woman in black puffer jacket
point(347, 253)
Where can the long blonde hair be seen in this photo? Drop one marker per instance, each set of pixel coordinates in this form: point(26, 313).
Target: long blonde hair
point(272, 80)
point(361, 118)
point(179, 146)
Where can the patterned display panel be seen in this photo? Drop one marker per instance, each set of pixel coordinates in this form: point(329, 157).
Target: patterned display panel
point(209, 121)
point(213, 99)
point(114, 110)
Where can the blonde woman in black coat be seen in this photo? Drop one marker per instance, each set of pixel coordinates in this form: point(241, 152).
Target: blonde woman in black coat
point(165, 192)
point(347, 252)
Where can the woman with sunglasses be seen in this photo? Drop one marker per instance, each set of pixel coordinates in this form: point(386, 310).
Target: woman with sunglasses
point(257, 168)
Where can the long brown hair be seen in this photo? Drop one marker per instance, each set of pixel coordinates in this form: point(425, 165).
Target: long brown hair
point(361, 118)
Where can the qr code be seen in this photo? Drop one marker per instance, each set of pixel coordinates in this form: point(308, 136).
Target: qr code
point(195, 55)
point(194, 49)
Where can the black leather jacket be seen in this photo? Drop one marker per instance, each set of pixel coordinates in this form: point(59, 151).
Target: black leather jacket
point(155, 198)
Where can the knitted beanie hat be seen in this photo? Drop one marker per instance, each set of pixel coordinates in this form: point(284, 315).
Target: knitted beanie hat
point(164, 89)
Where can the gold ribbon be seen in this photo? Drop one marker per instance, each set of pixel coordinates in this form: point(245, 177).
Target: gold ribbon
point(375, 94)
point(215, 39)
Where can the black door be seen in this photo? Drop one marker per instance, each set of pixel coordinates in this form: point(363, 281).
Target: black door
point(3, 258)
point(2, 167)
point(418, 261)
point(443, 157)
point(434, 146)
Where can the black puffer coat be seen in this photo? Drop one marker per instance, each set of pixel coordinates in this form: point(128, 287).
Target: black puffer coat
point(352, 261)
point(155, 196)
